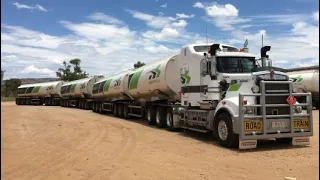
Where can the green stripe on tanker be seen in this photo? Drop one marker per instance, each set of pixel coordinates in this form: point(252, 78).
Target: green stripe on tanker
point(107, 85)
point(234, 87)
point(135, 79)
point(73, 88)
point(36, 89)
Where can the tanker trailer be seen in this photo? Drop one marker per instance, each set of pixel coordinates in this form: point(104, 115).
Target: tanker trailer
point(146, 90)
point(39, 93)
point(108, 93)
point(78, 93)
point(307, 81)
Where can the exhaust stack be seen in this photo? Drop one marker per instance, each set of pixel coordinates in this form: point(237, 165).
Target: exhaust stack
point(264, 55)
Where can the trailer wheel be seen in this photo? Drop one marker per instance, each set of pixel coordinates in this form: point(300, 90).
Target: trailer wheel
point(17, 101)
point(125, 111)
point(93, 104)
point(120, 110)
point(161, 117)
point(224, 129)
point(169, 120)
point(115, 110)
point(151, 115)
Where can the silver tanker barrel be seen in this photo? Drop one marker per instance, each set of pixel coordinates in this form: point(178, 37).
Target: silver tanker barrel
point(156, 81)
point(306, 81)
point(39, 93)
point(78, 93)
point(111, 89)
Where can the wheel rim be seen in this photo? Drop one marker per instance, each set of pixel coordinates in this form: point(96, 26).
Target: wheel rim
point(158, 117)
point(222, 130)
point(169, 120)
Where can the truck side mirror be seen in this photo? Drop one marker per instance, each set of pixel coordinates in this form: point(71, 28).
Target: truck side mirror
point(204, 67)
point(213, 69)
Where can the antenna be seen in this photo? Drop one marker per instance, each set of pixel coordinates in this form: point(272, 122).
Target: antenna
point(207, 33)
point(262, 40)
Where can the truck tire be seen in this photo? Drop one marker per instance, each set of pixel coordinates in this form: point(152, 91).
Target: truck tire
point(161, 117)
point(120, 110)
point(99, 108)
point(115, 110)
point(169, 120)
point(224, 129)
point(125, 111)
point(150, 116)
point(17, 101)
point(80, 104)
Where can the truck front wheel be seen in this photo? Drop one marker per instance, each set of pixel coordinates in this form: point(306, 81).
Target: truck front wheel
point(224, 131)
point(169, 119)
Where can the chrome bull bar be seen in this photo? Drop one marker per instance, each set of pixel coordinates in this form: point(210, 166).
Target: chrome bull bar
point(264, 134)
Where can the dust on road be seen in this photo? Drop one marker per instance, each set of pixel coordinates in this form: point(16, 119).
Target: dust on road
point(41, 142)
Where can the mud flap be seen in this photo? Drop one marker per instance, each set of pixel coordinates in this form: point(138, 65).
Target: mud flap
point(300, 141)
point(247, 144)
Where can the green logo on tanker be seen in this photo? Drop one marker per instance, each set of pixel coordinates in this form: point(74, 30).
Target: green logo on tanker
point(35, 89)
point(133, 84)
point(154, 73)
point(297, 79)
point(185, 78)
point(107, 85)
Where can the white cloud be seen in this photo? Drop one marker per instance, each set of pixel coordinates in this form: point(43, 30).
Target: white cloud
point(184, 16)
point(164, 35)
point(41, 8)
point(35, 7)
point(34, 69)
point(198, 5)
point(99, 16)
point(160, 13)
point(157, 49)
point(180, 24)
point(227, 10)
point(164, 5)
point(223, 16)
point(316, 16)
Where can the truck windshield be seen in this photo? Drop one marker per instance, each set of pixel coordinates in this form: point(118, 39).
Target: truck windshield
point(236, 64)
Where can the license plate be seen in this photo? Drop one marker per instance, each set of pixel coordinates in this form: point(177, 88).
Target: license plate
point(278, 124)
point(254, 125)
point(301, 124)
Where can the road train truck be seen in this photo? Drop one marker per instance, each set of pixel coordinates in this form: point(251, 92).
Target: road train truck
point(48, 93)
point(223, 91)
point(78, 93)
point(307, 81)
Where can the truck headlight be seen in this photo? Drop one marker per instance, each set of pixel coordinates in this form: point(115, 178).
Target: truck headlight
point(247, 110)
point(298, 109)
point(297, 90)
point(255, 89)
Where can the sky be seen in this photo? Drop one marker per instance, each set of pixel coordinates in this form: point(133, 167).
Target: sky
point(110, 36)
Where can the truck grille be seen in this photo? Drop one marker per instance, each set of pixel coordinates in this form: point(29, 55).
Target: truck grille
point(276, 89)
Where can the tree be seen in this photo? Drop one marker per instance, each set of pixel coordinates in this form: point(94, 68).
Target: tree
point(2, 74)
point(11, 86)
point(138, 64)
point(65, 73)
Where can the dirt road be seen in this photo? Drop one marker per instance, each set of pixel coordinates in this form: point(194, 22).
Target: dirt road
point(63, 143)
